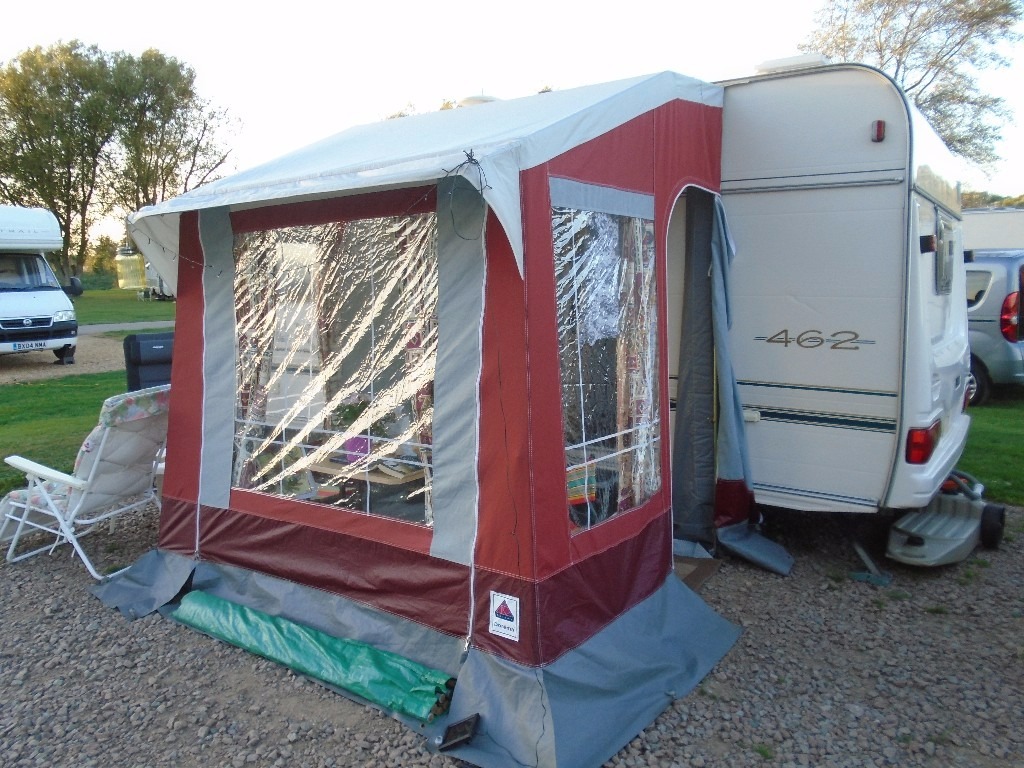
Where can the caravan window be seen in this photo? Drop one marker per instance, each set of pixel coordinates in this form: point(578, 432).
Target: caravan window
point(977, 284)
point(944, 258)
point(336, 329)
point(607, 330)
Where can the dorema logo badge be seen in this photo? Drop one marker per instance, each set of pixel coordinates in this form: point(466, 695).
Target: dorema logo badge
point(504, 616)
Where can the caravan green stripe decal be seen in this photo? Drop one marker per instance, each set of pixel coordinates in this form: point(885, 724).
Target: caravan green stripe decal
point(834, 420)
point(814, 388)
point(812, 494)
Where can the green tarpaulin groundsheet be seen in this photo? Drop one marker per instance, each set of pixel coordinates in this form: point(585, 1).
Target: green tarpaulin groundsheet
point(394, 682)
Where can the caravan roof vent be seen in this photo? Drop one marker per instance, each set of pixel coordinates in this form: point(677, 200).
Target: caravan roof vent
point(793, 62)
point(472, 101)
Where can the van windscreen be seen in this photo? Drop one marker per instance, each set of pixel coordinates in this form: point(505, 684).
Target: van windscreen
point(25, 272)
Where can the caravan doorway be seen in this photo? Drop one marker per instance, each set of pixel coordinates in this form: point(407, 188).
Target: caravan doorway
point(691, 364)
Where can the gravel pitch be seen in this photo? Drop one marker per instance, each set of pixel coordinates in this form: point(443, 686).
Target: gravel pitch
point(95, 354)
point(830, 671)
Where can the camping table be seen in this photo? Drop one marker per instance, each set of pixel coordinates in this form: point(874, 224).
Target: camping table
point(370, 475)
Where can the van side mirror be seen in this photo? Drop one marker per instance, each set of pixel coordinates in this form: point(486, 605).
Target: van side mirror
point(74, 287)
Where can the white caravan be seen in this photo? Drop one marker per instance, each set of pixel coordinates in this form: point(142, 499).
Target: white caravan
point(849, 332)
point(35, 312)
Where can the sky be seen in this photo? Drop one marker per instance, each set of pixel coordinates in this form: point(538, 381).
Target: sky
point(295, 72)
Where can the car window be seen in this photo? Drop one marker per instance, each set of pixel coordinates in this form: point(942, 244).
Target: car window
point(977, 284)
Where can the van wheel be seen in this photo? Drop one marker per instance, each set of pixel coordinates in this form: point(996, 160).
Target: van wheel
point(993, 521)
point(65, 355)
point(983, 384)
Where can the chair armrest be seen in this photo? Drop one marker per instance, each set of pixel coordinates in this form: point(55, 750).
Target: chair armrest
point(39, 470)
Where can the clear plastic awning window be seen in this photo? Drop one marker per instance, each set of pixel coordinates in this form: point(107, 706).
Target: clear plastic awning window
point(336, 351)
point(607, 330)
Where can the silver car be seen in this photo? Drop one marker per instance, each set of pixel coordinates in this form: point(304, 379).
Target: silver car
point(995, 282)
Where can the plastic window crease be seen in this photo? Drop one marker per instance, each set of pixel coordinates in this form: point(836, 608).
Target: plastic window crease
point(335, 359)
point(607, 327)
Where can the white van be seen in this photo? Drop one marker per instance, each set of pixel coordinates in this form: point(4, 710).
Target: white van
point(849, 331)
point(35, 311)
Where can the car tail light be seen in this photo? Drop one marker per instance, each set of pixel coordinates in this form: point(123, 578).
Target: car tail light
point(1009, 317)
point(921, 443)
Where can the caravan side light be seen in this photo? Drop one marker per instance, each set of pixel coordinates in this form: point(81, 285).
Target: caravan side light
point(878, 131)
point(921, 443)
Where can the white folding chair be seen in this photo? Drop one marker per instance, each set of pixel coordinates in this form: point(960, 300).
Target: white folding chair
point(114, 474)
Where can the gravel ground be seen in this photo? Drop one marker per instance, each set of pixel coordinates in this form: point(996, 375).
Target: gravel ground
point(830, 671)
point(95, 354)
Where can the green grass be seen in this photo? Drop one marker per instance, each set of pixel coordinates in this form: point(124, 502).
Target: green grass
point(117, 306)
point(120, 334)
point(765, 751)
point(995, 447)
point(46, 421)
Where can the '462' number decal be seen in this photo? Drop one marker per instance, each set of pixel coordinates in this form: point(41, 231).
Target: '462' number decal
point(847, 341)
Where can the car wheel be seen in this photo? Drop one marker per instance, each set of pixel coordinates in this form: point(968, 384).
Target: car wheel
point(983, 384)
point(993, 521)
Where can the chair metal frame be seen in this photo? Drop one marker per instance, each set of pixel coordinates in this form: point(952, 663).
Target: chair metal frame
point(70, 506)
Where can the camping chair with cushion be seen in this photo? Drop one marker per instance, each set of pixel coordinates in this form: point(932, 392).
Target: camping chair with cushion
point(113, 474)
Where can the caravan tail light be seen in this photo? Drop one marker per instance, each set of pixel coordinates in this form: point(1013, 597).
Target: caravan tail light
point(921, 443)
point(1009, 317)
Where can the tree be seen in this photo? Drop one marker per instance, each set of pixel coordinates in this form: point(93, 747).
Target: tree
point(87, 133)
point(970, 199)
point(408, 109)
point(932, 49)
point(102, 255)
point(167, 135)
point(58, 114)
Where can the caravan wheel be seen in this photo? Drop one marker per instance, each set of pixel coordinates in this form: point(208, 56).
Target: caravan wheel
point(993, 521)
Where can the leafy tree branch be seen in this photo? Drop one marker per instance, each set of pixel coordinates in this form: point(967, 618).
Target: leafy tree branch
point(87, 133)
point(933, 49)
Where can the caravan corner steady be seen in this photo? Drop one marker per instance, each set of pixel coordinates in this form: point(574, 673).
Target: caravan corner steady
point(849, 323)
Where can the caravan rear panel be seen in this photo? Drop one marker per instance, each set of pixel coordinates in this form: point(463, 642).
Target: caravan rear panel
point(845, 332)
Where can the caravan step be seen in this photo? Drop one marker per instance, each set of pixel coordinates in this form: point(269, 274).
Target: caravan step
point(944, 532)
